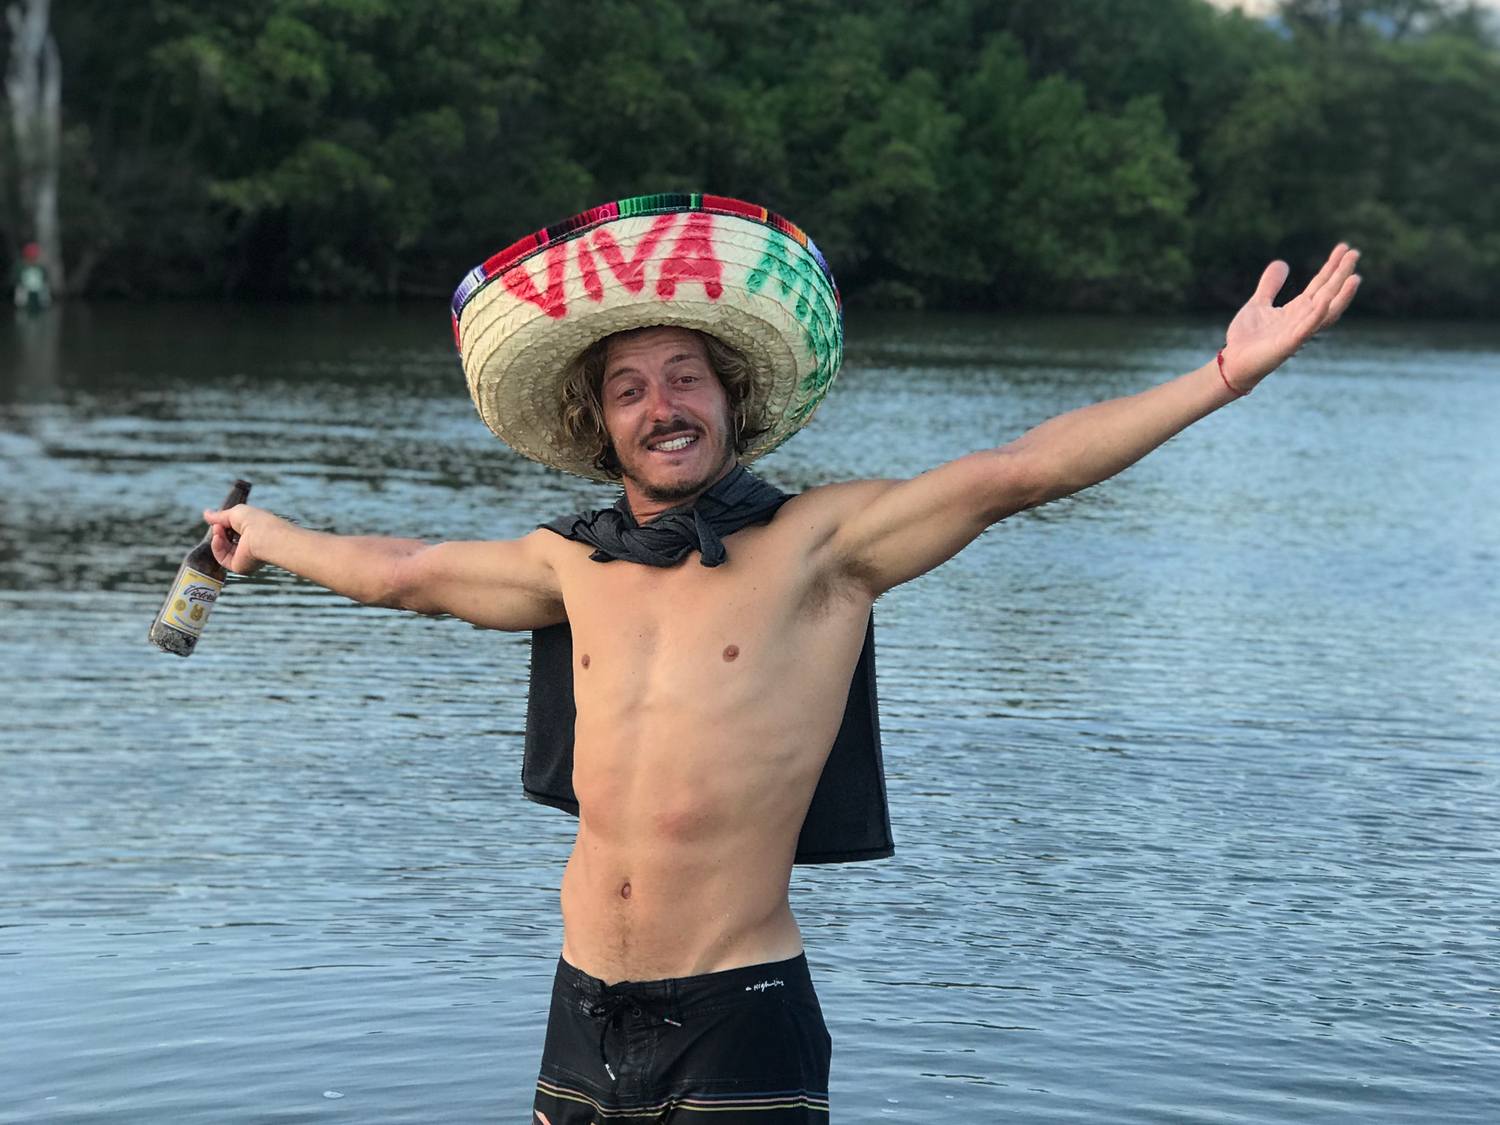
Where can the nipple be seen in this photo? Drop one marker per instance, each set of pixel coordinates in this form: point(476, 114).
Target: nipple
point(585, 660)
point(625, 891)
point(731, 653)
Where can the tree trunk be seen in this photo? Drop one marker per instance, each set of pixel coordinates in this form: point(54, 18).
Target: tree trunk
point(33, 85)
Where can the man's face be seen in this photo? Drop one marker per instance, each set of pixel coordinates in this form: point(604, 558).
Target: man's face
point(666, 413)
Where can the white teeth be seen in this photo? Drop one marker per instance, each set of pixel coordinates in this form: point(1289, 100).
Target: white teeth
point(675, 444)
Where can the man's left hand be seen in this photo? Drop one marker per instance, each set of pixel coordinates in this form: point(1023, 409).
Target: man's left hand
point(1263, 336)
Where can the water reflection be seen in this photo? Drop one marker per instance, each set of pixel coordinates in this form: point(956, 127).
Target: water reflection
point(1192, 777)
point(36, 356)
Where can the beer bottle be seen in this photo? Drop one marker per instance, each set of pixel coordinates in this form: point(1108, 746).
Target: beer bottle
point(199, 579)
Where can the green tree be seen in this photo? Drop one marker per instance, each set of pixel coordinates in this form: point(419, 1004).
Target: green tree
point(314, 145)
point(999, 153)
point(1392, 142)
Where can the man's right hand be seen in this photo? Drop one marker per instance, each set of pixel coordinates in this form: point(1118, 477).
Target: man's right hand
point(231, 544)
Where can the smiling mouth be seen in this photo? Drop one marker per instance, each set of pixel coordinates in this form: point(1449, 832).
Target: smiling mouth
point(673, 444)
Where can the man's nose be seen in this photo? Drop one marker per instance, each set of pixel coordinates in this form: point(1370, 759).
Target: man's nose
point(661, 403)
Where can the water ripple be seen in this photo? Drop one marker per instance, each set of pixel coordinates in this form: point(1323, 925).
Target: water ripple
point(1194, 777)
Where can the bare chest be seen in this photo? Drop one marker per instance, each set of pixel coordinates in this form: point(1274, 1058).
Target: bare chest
point(626, 616)
point(645, 633)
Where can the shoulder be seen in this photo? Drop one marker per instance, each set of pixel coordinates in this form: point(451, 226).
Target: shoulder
point(818, 513)
point(834, 501)
point(530, 556)
point(536, 549)
point(552, 547)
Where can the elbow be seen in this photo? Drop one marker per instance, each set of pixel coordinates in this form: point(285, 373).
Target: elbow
point(1013, 482)
point(401, 585)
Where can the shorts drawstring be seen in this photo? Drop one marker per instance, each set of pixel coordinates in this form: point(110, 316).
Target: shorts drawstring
point(612, 1004)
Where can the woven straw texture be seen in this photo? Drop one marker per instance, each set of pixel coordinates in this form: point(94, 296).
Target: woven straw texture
point(718, 265)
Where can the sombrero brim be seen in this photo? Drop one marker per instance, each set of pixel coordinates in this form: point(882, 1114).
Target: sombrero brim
point(718, 265)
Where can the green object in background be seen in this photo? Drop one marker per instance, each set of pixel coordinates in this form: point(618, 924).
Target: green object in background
point(32, 290)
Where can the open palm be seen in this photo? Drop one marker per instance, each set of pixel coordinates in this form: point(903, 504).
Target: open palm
point(1263, 336)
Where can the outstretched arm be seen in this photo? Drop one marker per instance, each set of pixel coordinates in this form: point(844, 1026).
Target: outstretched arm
point(897, 530)
point(504, 585)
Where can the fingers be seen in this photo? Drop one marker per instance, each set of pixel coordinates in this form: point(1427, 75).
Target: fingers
point(1325, 286)
point(220, 546)
point(1330, 267)
point(226, 540)
point(224, 517)
point(1329, 293)
point(1341, 301)
point(1342, 267)
point(231, 555)
point(1329, 305)
point(1331, 283)
point(1271, 282)
point(1334, 292)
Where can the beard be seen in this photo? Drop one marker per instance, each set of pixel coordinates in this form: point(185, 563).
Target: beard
point(679, 490)
point(683, 490)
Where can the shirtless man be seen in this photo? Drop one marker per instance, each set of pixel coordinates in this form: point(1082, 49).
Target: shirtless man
point(707, 698)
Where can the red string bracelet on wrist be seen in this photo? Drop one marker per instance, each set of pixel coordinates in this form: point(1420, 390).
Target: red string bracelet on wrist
point(1232, 390)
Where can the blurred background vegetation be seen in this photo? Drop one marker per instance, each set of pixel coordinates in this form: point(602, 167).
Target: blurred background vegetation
point(1100, 154)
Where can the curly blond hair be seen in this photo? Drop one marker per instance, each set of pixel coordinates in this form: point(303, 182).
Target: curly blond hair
point(582, 411)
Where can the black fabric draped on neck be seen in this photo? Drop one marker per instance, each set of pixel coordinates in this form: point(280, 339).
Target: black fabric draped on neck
point(736, 502)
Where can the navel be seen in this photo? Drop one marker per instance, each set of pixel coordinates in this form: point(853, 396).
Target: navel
point(585, 660)
point(731, 653)
point(625, 891)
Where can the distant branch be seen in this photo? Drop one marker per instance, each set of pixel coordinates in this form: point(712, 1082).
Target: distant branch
point(33, 86)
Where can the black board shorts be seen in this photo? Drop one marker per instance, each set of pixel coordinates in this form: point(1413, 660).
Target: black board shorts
point(745, 1046)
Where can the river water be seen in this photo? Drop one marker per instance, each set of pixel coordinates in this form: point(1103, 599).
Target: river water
point(1194, 778)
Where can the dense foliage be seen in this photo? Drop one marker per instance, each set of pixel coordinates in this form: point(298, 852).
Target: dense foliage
point(996, 153)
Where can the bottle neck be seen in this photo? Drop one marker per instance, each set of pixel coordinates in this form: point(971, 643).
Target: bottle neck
point(238, 494)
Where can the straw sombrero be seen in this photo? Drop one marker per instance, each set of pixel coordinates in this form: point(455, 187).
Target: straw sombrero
point(728, 268)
